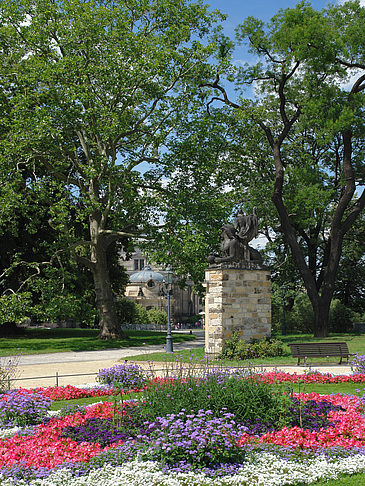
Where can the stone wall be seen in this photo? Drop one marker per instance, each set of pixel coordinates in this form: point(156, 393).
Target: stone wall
point(237, 299)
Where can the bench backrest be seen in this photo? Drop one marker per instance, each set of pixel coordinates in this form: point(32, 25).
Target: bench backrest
point(322, 349)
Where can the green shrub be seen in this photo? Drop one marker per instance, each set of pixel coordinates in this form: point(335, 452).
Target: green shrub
point(141, 315)
point(244, 396)
point(14, 307)
point(235, 348)
point(125, 309)
point(340, 319)
point(301, 317)
point(65, 307)
point(129, 312)
point(157, 316)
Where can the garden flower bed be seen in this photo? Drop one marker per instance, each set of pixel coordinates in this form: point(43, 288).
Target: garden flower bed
point(116, 444)
point(282, 377)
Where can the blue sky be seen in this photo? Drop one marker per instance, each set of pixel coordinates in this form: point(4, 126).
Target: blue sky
point(238, 10)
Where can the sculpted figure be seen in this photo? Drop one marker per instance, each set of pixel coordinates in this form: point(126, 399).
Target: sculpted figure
point(246, 226)
point(230, 246)
point(235, 239)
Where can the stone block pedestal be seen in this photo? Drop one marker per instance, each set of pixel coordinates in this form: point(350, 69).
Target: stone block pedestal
point(237, 299)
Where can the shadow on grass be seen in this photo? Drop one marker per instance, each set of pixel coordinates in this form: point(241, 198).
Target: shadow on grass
point(58, 340)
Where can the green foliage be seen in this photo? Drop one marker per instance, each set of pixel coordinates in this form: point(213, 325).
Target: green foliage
point(295, 144)
point(193, 319)
point(235, 348)
point(141, 315)
point(91, 92)
point(129, 312)
point(15, 307)
point(126, 309)
point(244, 396)
point(301, 317)
point(157, 316)
point(341, 317)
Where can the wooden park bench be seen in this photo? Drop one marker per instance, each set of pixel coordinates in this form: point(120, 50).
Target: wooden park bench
point(319, 350)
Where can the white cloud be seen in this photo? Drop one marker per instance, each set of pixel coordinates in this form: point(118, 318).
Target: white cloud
point(362, 2)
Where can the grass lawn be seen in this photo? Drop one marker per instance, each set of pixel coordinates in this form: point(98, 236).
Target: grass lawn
point(57, 405)
point(354, 480)
point(39, 340)
point(355, 342)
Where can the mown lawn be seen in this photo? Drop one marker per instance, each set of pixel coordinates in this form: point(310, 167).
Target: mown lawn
point(354, 480)
point(355, 342)
point(39, 340)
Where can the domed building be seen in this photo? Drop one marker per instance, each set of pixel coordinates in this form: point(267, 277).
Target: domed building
point(149, 287)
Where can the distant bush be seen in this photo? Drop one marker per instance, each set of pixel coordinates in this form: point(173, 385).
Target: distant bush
point(340, 319)
point(157, 316)
point(129, 312)
point(125, 309)
point(301, 317)
point(10, 329)
point(14, 307)
point(236, 348)
point(141, 315)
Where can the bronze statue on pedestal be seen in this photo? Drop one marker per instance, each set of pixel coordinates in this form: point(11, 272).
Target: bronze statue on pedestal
point(235, 239)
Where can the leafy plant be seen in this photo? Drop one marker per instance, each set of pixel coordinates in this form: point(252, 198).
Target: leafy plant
point(244, 396)
point(8, 371)
point(236, 348)
point(14, 307)
point(157, 316)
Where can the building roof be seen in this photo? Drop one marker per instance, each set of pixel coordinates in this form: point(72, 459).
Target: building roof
point(145, 275)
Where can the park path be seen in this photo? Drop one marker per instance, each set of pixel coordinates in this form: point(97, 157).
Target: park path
point(55, 368)
point(47, 369)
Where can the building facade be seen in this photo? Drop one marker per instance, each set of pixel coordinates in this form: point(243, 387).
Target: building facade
point(148, 286)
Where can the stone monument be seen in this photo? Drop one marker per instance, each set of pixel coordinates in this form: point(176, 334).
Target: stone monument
point(238, 287)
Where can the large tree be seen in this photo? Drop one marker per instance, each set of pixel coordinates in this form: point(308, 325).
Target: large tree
point(310, 82)
point(90, 91)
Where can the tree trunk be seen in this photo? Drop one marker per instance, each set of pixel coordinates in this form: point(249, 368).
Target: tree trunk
point(321, 307)
point(110, 328)
point(319, 302)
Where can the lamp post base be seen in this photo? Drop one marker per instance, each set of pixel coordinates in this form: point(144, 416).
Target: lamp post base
point(169, 346)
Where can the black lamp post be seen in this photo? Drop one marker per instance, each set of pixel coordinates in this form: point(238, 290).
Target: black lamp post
point(283, 326)
point(169, 345)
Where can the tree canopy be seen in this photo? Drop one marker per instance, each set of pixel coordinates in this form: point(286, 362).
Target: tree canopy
point(302, 135)
point(89, 92)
